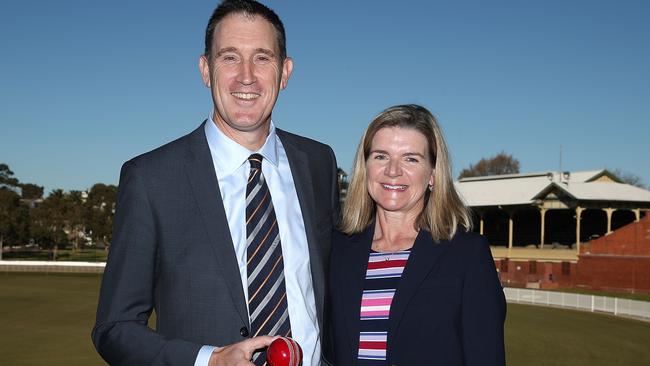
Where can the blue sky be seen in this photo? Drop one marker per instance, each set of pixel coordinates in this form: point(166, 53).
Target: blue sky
point(86, 85)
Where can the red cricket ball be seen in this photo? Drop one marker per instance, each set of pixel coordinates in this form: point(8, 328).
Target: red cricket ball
point(284, 352)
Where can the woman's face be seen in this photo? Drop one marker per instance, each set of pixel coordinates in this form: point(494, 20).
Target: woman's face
point(399, 170)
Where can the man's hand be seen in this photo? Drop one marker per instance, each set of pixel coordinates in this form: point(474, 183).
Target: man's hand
point(239, 354)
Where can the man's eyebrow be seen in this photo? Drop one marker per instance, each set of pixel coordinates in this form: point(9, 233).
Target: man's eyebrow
point(225, 50)
point(265, 51)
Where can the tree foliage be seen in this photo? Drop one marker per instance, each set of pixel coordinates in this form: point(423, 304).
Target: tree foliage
point(72, 217)
point(499, 164)
point(7, 177)
point(629, 178)
point(14, 218)
point(52, 219)
point(31, 191)
point(99, 212)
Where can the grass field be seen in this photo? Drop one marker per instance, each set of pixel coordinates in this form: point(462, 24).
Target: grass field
point(45, 319)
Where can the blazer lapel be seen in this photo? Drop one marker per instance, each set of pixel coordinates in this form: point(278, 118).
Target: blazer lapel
point(423, 259)
point(356, 260)
point(203, 180)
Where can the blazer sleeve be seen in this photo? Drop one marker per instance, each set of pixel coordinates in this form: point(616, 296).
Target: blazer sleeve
point(483, 310)
point(126, 299)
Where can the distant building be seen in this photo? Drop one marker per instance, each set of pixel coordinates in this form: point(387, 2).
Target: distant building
point(536, 223)
point(342, 178)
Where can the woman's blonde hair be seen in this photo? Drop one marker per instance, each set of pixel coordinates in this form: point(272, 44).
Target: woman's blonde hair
point(443, 209)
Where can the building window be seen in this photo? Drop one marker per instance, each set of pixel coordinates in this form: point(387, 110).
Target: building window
point(566, 268)
point(504, 266)
point(532, 267)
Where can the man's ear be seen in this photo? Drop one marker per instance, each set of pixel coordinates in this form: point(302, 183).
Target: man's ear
point(287, 68)
point(204, 68)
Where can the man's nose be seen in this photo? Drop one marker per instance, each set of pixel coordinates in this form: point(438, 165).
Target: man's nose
point(246, 73)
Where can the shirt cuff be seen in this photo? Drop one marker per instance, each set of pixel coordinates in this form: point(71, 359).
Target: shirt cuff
point(203, 357)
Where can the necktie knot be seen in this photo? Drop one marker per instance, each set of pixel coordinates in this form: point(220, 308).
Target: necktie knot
point(256, 161)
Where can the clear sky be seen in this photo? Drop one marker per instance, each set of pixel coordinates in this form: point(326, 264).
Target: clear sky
point(86, 85)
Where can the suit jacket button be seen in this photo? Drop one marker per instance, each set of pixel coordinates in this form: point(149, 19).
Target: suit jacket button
point(243, 331)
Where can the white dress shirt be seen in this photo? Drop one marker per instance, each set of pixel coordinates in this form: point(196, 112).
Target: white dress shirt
point(232, 168)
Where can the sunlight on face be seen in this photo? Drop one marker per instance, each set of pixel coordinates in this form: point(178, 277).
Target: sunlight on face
point(245, 72)
point(399, 170)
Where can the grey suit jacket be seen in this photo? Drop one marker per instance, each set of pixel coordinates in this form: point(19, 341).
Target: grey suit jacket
point(172, 252)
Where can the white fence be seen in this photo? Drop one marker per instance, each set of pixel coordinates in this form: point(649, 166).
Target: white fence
point(611, 305)
point(51, 266)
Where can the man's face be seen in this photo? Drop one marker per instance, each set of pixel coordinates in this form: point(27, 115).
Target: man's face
point(244, 73)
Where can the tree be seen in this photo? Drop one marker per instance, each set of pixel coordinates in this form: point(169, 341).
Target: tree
point(9, 201)
point(99, 212)
point(629, 178)
point(14, 217)
point(31, 191)
point(499, 164)
point(51, 219)
point(6, 177)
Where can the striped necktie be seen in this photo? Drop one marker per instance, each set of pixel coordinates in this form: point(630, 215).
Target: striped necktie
point(267, 297)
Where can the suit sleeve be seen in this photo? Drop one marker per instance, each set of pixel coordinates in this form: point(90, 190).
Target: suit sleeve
point(483, 310)
point(335, 198)
point(327, 340)
point(126, 299)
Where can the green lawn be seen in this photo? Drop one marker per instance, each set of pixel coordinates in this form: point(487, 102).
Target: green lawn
point(548, 336)
point(45, 319)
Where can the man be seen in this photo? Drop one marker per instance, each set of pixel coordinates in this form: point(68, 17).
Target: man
point(190, 240)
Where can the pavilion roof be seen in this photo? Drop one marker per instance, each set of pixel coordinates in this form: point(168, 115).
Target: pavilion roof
point(526, 189)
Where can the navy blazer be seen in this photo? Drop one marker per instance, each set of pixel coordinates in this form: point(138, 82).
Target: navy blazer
point(448, 309)
point(172, 252)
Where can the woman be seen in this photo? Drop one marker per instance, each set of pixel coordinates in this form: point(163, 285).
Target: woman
point(409, 284)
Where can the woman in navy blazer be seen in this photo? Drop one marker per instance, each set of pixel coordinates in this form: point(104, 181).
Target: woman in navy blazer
point(446, 305)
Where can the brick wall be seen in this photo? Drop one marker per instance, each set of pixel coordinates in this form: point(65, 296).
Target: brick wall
point(520, 273)
point(619, 261)
point(616, 262)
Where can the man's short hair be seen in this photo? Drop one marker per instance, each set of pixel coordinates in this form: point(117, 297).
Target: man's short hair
point(250, 8)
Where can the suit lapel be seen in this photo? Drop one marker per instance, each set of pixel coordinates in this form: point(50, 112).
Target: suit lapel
point(205, 187)
point(423, 259)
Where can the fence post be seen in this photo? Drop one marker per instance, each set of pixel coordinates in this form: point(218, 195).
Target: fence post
point(616, 306)
point(592, 303)
point(548, 295)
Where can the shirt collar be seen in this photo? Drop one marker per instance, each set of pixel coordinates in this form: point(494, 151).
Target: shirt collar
point(228, 155)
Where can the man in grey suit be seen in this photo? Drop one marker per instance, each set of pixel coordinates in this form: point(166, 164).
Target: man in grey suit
point(182, 235)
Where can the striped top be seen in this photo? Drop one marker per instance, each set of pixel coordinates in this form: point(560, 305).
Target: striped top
point(382, 278)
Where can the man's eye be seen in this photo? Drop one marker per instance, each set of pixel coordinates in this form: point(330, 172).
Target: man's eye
point(263, 59)
point(229, 58)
